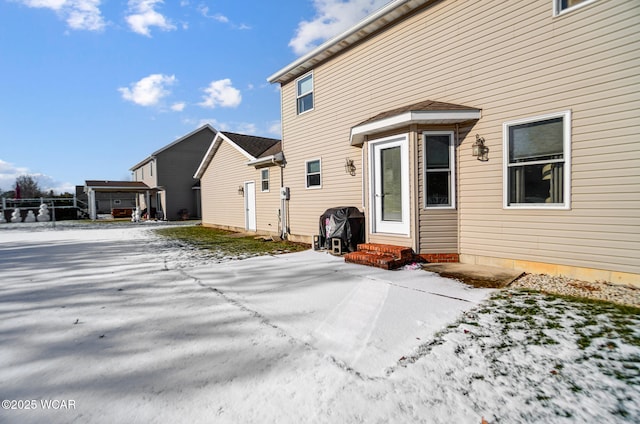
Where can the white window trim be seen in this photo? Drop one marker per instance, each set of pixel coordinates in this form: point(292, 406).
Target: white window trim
point(376, 225)
point(452, 168)
point(262, 179)
point(313, 89)
point(558, 12)
point(306, 174)
point(566, 145)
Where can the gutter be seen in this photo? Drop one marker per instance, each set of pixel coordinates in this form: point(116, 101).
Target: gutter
point(337, 39)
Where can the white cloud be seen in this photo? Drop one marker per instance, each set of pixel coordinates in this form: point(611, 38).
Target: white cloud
point(178, 107)
point(275, 128)
point(143, 16)
point(149, 90)
point(9, 172)
point(79, 14)
point(221, 93)
point(332, 17)
point(219, 17)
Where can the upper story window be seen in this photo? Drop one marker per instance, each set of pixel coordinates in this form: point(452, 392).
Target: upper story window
point(562, 6)
point(304, 93)
point(151, 169)
point(314, 173)
point(142, 172)
point(439, 169)
point(537, 161)
point(264, 178)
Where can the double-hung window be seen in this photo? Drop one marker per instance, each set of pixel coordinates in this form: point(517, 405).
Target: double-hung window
point(313, 173)
point(439, 169)
point(537, 161)
point(264, 177)
point(304, 93)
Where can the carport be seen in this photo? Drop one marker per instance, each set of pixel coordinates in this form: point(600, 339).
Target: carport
point(91, 187)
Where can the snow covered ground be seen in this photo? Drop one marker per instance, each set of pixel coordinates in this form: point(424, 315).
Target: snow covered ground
point(111, 324)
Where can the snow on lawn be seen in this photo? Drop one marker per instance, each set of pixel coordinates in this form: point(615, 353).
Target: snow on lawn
point(127, 327)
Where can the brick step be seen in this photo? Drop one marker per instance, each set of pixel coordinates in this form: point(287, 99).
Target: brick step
point(400, 252)
point(379, 260)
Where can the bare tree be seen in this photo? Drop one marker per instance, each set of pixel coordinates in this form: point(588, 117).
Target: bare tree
point(28, 187)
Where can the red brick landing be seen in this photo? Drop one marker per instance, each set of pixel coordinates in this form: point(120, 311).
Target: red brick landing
point(383, 256)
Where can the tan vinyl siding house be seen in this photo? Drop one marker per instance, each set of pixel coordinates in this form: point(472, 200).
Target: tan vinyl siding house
point(240, 179)
point(170, 170)
point(525, 69)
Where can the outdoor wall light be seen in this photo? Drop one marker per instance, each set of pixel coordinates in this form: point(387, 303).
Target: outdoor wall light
point(241, 190)
point(480, 150)
point(350, 167)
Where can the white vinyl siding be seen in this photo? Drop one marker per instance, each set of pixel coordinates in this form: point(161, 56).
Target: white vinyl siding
point(589, 63)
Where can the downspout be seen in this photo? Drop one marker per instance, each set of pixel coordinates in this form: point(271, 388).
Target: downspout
point(457, 143)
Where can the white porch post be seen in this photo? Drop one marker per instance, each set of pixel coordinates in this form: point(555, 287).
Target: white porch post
point(92, 204)
point(148, 205)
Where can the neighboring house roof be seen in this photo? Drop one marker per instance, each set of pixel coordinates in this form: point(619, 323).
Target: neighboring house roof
point(255, 146)
point(168, 146)
point(426, 112)
point(106, 185)
point(378, 20)
point(257, 150)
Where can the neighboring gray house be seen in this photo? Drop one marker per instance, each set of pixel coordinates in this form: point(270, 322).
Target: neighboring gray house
point(169, 173)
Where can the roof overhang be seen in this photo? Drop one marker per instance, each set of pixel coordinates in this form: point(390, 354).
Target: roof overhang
point(379, 19)
point(278, 158)
point(431, 117)
point(118, 186)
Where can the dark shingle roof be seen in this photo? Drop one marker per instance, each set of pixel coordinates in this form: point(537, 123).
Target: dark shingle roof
point(255, 146)
point(115, 184)
point(425, 106)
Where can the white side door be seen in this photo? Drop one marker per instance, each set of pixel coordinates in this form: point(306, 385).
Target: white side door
point(389, 185)
point(250, 205)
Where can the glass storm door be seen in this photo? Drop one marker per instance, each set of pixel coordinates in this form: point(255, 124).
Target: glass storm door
point(390, 185)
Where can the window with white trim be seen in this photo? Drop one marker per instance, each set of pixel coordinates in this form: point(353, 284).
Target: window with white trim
point(562, 6)
point(439, 169)
point(264, 178)
point(304, 93)
point(313, 173)
point(537, 161)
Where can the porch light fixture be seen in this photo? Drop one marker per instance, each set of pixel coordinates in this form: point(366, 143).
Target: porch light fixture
point(480, 151)
point(350, 167)
point(241, 190)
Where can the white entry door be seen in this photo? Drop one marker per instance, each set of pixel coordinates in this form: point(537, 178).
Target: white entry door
point(250, 205)
point(389, 183)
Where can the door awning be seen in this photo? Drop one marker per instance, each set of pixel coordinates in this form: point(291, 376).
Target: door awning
point(427, 112)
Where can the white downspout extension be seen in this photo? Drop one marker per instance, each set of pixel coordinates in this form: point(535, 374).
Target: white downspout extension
point(283, 206)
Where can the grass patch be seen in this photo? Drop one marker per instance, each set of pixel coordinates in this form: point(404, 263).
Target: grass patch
point(227, 242)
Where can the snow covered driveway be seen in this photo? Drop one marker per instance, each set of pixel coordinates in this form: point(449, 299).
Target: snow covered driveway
point(115, 326)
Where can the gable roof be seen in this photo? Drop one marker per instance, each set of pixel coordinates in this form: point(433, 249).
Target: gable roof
point(168, 146)
point(425, 112)
point(254, 148)
point(392, 12)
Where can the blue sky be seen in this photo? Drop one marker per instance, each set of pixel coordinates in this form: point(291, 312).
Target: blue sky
point(88, 88)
